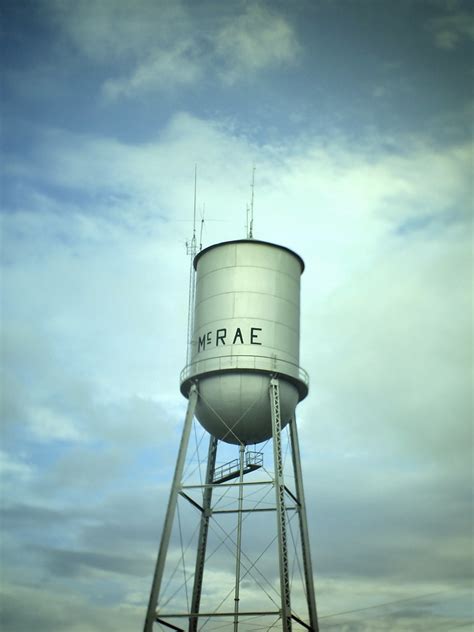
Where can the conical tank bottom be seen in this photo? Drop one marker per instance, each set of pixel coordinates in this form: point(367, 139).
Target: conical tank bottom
point(235, 406)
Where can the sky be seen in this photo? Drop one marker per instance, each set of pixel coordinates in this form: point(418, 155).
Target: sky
point(357, 116)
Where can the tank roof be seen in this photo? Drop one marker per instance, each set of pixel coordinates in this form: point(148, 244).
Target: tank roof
point(248, 241)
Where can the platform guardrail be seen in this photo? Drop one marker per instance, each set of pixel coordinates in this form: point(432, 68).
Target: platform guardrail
point(232, 362)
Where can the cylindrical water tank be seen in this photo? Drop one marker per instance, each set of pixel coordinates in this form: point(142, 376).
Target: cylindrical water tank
point(246, 330)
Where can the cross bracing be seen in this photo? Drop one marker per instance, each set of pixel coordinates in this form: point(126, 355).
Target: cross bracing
point(236, 556)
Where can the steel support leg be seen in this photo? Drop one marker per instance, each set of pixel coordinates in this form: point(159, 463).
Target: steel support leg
point(203, 532)
point(280, 504)
point(238, 555)
point(165, 538)
point(303, 523)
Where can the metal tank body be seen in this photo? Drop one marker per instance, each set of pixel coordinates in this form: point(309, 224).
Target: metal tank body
point(246, 330)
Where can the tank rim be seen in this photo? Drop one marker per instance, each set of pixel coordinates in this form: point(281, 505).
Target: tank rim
point(301, 386)
point(248, 241)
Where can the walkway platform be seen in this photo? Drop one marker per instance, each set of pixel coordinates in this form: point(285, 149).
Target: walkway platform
point(253, 461)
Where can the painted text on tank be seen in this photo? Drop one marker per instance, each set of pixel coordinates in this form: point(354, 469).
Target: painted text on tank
point(223, 336)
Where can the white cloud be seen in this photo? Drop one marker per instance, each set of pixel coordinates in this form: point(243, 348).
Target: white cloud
point(157, 47)
point(164, 70)
point(451, 30)
point(47, 425)
point(94, 285)
point(143, 45)
point(385, 310)
point(255, 40)
point(397, 350)
point(107, 31)
point(341, 599)
point(382, 232)
point(14, 468)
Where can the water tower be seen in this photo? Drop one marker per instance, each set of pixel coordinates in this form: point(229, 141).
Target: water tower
point(243, 382)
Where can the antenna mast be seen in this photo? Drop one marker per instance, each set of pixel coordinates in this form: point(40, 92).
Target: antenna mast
point(202, 227)
point(250, 224)
point(191, 250)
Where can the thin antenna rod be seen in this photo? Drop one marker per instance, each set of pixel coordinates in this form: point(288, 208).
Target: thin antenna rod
point(191, 251)
point(250, 231)
point(202, 227)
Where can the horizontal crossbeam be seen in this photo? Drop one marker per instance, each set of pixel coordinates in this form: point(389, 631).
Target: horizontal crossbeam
point(181, 615)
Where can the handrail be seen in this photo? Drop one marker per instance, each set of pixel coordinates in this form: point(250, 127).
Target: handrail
point(253, 460)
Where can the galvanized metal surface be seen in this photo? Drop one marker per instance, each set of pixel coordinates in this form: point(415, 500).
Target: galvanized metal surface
point(238, 544)
point(235, 407)
point(246, 324)
point(285, 501)
point(170, 511)
point(303, 524)
point(280, 505)
point(254, 241)
point(203, 533)
point(244, 359)
point(253, 363)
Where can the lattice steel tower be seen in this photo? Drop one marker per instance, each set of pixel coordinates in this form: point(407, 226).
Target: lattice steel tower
point(234, 550)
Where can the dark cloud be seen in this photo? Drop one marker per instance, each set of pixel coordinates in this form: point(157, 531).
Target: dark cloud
point(19, 515)
point(54, 611)
point(67, 563)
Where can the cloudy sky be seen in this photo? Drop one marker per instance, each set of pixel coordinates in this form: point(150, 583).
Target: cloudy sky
point(357, 116)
